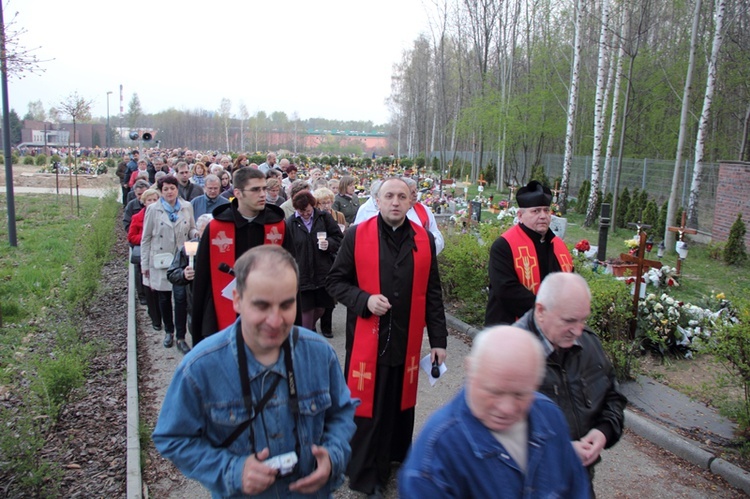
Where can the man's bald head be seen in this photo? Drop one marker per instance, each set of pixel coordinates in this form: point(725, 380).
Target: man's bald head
point(506, 366)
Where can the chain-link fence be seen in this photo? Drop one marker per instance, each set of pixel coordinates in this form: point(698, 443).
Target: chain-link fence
point(653, 176)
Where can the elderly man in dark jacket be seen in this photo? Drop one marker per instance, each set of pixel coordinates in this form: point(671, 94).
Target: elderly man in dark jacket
point(580, 377)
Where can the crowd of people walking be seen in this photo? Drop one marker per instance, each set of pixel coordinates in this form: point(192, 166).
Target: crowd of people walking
point(250, 260)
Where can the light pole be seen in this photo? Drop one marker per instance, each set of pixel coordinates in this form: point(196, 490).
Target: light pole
point(107, 133)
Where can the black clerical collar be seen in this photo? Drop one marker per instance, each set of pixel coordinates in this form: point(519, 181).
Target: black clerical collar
point(537, 237)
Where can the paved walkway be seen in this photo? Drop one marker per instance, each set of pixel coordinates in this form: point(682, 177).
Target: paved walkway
point(635, 467)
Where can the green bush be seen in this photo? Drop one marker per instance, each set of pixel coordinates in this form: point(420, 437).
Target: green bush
point(463, 273)
point(730, 343)
point(623, 202)
point(28, 160)
point(735, 252)
point(715, 250)
point(22, 438)
point(611, 315)
point(41, 160)
point(57, 378)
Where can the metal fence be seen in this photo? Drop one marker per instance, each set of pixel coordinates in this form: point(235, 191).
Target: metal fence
point(652, 175)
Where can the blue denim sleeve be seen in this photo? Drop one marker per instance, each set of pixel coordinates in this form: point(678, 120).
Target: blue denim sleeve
point(180, 436)
point(339, 425)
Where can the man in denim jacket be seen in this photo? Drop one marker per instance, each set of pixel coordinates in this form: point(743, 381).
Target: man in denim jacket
point(498, 437)
point(200, 428)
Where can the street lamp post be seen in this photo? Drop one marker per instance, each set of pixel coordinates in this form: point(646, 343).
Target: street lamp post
point(107, 133)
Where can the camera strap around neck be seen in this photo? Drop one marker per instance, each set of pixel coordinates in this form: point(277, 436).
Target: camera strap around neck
point(247, 395)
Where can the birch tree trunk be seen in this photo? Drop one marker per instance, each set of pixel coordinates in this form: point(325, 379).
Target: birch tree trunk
point(615, 100)
point(669, 237)
point(700, 142)
point(572, 100)
point(601, 77)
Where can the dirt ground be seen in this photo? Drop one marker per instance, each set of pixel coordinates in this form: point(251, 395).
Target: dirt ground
point(29, 176)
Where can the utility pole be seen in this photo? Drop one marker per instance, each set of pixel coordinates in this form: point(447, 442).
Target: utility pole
point(107, 134)
point(12, 238)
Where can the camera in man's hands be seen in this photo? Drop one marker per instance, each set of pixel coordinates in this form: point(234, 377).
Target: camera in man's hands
point(284, 463)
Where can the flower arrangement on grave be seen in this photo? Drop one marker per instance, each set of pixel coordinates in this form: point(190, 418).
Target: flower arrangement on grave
point(632, 244)
point(664, 277)
point(672, 326)
point(555, 210)
point(583, 245)
point(507, 213)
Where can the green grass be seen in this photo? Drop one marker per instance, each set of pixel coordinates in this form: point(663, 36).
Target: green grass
point(45, 282)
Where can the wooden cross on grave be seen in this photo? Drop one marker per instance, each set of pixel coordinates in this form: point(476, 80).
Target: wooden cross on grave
point(642, 265)
point(639, 226)
point(556, 192)
point(481, 180)
point(681, 231)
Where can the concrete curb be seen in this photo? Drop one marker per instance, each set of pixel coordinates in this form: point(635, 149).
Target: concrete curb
point(668, 440)
point(461, 326)
point(134, 480)
point(658, 435)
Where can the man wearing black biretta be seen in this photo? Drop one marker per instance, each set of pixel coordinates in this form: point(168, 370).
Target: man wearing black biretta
point(523, 256)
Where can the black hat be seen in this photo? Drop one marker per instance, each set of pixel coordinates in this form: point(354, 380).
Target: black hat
point(533, 194)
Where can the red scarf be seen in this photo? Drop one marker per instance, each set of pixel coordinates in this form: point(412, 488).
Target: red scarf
point(421, 212)
point(364, 358)
point(525, 258)
point(222, 250)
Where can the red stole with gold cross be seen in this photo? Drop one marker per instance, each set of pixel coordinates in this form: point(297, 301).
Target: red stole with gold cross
point(525, 260)
point(222, 250)
point(364, 358)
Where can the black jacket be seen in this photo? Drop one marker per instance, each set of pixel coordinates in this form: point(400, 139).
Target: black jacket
point(396, 280)
point(247, 235)
point(508, 298)
point(581, 381)
point(314, 263)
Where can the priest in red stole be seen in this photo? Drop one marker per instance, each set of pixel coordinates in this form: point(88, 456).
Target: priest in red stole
point(523, 256)
point(386, 273)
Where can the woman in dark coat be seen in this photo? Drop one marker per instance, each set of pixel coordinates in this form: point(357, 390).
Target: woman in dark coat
point(316, 238)
point(346, 200)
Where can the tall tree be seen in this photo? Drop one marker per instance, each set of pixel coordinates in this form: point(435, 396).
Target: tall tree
point(225, 113)
point(36, 111)
point(598, 115)
point(700, 142)
point(244, 115)
point(669, 237)
point(135, 111)
point(572, 102)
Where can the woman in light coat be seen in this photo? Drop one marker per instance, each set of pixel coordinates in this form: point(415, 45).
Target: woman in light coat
point(168, 223)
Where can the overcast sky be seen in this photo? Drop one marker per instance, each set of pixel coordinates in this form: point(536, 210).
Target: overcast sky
point(330, 58)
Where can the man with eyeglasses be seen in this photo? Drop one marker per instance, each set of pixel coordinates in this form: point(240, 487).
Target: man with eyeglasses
point(211, 197)
point(523, 256)
point(246, 222)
